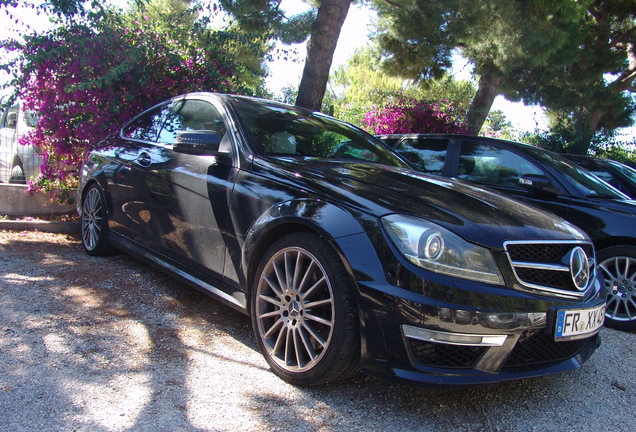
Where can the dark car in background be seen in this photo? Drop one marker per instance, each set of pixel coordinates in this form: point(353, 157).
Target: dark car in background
point(549, 181)
point(619, 175)
point(341, 254)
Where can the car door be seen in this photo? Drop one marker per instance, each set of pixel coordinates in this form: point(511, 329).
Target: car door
point(130, 155)
point(190, 193)
point(500, 169)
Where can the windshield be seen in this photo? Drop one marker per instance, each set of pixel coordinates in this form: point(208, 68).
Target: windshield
point(281, 130)
point(586, 182)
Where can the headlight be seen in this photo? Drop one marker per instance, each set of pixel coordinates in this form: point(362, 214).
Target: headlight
point(434, 248)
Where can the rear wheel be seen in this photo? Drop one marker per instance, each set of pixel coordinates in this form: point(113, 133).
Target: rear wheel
point(94, 223)
point(618, 264)
point(303, 312)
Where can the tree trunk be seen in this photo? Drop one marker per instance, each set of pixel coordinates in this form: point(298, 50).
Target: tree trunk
point(587, 125)
point(320, 48)
point(482, 102)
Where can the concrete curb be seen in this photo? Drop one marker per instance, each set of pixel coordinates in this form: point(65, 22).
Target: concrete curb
point(39, 225)
point(16, 200)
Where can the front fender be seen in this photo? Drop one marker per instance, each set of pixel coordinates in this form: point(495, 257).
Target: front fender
point(345, 230)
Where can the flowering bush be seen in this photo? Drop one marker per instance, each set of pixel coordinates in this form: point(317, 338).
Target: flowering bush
point(86, 80)
point(412, 116)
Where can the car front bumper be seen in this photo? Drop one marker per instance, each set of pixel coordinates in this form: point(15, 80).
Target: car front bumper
point(415, 338)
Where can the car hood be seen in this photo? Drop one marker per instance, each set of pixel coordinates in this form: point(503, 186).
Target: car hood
point(477, 215)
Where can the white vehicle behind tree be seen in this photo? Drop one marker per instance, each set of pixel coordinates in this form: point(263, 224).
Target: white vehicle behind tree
point(18, 163)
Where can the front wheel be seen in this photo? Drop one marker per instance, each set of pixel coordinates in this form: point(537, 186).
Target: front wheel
point(303, 312)
point(94, 223)
point(618, 264)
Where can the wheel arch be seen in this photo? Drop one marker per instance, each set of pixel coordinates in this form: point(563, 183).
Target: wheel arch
point(329, 222)
point(103, 185)
point(611, 241)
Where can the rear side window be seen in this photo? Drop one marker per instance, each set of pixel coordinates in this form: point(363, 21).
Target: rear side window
point(490, 165)
point(190, 115)
point(428, 155)
point(147, 126)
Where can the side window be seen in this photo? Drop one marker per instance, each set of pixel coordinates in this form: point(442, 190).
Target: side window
point(3, 111)
point(600, 172)
point(190, 115)
point(428, 155)
point(607, 176)
point(12, 116)
point(31, 118)
point(490, 165)
point(147, 126)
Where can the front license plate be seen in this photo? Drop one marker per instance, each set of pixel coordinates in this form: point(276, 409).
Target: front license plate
point(578, 323)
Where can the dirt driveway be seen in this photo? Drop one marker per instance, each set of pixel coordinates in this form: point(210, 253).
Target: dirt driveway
point(109, 344)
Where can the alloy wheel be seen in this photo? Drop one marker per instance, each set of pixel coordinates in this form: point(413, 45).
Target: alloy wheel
point(295, 309)
point(92, 213)
point(620, 275)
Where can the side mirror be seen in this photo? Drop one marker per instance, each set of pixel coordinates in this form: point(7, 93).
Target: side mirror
point(198, 143)
point(537, 183)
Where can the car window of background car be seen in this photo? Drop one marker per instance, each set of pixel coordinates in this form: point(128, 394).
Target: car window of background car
point(626, 170)
point(31, 118)
point(190, 115)
point(428, 155)
point(583, 180)
point(11, 117)
point(487, 164)
point(3, 111)
point(273, 129)
point(600, 172)
point(147, 126)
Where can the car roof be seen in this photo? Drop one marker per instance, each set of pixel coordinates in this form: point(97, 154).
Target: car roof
point(516, 144)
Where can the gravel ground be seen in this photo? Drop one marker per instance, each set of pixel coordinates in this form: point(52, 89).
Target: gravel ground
point(109, 344)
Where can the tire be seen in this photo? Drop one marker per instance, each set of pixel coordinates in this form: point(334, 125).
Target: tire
point(17, 175)
point(618, 265)
point(304, 313)
point(94, 223)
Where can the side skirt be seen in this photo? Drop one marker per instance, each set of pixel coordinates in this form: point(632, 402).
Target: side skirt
point(228, 296)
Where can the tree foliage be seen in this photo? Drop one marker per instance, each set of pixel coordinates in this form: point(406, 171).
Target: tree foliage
point(413, 116)
point(361, 84)
point(592, 94)
point(86, 78)
point(554, 52)
point(322, 24)
point(265, 17)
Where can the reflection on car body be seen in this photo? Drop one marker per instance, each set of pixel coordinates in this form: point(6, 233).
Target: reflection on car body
point(343, 261)
point(549, 181)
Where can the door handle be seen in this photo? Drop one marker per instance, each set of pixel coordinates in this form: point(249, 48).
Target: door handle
point(144, 159)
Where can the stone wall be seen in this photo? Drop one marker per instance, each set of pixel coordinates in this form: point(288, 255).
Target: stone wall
point(16, 201)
